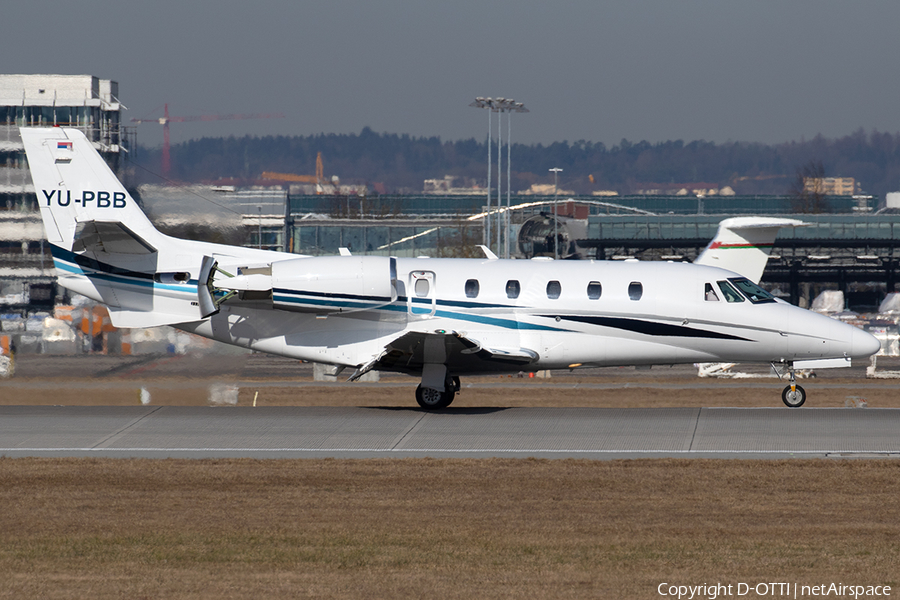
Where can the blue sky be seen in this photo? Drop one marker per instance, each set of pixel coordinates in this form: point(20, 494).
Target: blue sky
point(766, 70)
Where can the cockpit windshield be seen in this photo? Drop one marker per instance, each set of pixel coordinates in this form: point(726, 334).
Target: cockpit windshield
point(754, 293)
point(731, 294)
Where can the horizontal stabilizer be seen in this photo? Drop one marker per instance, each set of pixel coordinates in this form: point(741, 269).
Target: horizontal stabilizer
point(109, 237)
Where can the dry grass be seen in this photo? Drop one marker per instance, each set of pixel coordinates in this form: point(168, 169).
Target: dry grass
point(635, 394)
point(422, 528)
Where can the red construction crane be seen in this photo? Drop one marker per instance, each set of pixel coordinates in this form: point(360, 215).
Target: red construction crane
point(166, 162)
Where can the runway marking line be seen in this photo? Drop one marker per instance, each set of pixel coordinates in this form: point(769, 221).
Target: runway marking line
point(452, 450)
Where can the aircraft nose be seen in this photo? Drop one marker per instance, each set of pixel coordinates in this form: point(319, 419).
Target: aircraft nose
point(863, 344)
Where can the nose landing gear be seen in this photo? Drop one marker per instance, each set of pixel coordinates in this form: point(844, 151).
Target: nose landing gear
point(793, 395)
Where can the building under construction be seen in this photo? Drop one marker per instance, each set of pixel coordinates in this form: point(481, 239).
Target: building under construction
point(89, 103)
point(83, 101)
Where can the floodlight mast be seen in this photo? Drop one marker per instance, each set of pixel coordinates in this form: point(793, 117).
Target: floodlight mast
point(499, 105)
point(518, 107)
point(508, 182)
point(481, 102)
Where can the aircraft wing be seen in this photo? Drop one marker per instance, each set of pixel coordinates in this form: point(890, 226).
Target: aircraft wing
point(460, 353)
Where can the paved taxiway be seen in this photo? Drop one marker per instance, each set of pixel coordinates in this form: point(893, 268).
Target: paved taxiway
point(340, 432)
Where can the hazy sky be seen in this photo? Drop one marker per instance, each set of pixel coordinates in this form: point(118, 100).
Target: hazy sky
point(719, 70)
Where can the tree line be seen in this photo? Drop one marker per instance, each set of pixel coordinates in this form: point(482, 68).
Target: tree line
point(400, 163)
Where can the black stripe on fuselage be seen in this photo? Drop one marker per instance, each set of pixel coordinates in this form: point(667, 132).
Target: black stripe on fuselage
point(400, 299)
point(649, 327)
point(86, 262)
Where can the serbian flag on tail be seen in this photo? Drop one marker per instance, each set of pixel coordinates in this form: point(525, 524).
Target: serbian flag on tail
point(63, 145)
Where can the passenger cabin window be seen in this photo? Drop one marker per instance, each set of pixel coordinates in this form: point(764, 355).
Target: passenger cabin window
point(709, 294)
point(472, 288)
point(635, 290)
point(594, 290)
point(421, 288)
point(731, 294)
point(754, 293)
point(554, 289)
point(512, 289)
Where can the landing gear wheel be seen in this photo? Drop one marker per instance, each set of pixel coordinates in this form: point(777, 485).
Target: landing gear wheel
point(793, 399)
point(432, 399)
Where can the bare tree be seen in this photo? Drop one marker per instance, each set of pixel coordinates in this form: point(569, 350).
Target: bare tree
point(808, 189)
point(458, 241)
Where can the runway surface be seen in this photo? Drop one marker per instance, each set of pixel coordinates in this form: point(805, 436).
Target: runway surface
point(317, 432)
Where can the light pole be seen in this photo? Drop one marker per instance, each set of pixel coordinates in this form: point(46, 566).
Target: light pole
point(555, 171)
point(487, 103)
point(508, 175)
point(499, 105)
point(259, 229)
point(519, 108)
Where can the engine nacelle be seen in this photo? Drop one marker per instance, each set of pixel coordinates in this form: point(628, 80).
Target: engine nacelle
point(334, 284)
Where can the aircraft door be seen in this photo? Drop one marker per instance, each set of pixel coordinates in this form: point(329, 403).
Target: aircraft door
point(421, 297)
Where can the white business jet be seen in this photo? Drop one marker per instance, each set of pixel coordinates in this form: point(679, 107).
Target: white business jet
point(433, 318)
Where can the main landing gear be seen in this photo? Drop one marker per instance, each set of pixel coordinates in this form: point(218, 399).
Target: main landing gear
point(793, 395)
point(433, 399)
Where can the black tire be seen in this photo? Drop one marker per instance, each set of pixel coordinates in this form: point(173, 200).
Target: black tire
point(432, 399)
point(793, 400)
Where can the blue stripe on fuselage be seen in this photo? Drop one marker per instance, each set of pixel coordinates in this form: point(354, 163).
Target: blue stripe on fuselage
point(65, 260)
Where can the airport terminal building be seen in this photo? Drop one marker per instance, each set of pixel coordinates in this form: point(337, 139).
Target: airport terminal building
point(854, 247)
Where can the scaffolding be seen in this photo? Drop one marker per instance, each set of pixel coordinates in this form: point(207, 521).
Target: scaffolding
point(85, 102)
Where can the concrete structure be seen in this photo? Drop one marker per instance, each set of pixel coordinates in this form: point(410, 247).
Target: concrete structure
point(83, 101)
point(91, 104)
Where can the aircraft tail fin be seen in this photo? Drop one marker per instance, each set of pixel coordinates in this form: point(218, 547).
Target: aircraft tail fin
point(80, 198)
point(743, 244)
point(104, 247)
